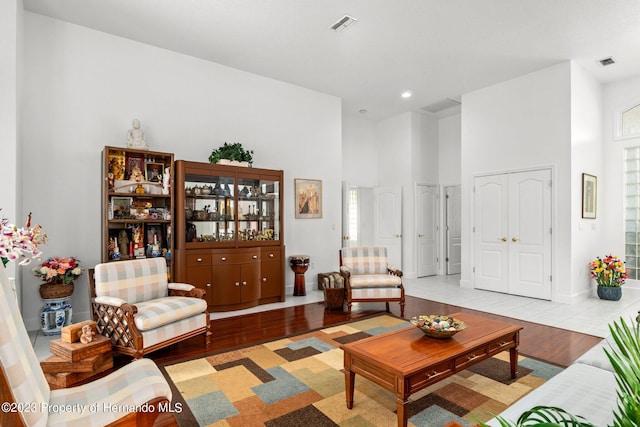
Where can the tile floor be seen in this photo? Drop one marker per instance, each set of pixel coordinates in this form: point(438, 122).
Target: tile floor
point(590, 315)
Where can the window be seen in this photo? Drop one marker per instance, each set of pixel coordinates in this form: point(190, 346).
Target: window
point(629, 122)
point(353, 215)
point(632, 210)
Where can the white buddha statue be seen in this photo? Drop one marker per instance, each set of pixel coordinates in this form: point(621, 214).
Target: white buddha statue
point(135, 137)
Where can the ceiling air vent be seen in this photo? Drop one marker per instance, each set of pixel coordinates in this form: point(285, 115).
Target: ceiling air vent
point(343, 23)
point(441, 105)
point(607, 61)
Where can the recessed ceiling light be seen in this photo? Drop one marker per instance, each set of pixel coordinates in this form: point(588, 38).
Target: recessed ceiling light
point(406, 94)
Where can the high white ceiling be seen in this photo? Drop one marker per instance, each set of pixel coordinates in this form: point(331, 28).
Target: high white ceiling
point(436, 48)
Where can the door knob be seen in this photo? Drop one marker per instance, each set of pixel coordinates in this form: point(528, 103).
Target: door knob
point(420, 235)
point(237, 283)
point(397, 235)
point(504, 239)
point(513, 239)
point(208, 285)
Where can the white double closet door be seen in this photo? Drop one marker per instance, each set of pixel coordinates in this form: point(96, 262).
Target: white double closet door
point(512, 220)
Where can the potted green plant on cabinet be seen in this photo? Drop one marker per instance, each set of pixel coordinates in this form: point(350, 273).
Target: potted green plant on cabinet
point(233, 154)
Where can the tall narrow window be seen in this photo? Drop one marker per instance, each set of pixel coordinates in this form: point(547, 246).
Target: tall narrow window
point(632, 210)
point(353, 216)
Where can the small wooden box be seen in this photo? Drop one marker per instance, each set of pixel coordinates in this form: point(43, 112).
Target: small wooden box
point(73, 352)
point(71, 334)
point(69, 379)
point(58, 365)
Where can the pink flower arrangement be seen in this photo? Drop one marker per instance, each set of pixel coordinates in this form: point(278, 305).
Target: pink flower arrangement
point(16, 243)
point(608, 271)
point(58, 270)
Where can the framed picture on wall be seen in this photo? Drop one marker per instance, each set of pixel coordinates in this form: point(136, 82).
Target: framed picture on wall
point(589, 196)
point(308, 194)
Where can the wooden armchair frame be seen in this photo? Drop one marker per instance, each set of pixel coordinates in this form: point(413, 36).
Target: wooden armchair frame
point(117, 323)
point(347, 275)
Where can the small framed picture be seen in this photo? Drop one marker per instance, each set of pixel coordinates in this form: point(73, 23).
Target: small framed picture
point(154, 172)
point(589, 196)
point(308, 194)
point(121, 207)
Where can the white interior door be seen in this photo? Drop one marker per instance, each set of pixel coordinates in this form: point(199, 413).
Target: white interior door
point(427, 205)
point(387, 222)
point(345, 214)
point(491, 229)
point(530, 234)
point(513, 233)
point(453, 229)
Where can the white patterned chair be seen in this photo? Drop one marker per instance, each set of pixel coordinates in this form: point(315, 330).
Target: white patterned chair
point(134, 304)
point(368, 277)
point(111, 400)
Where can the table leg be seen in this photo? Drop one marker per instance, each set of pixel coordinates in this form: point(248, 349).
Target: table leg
point(349, 381)
point(402, 407)
point(513, 359)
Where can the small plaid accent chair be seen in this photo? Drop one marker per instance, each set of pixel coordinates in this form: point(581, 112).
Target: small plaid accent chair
point(134, 304)
point(30, 402)
point(368, 277)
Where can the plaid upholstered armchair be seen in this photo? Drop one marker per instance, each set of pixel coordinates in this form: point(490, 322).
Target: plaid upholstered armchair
point(111, 400)
point(133, 303)
point(368, 277)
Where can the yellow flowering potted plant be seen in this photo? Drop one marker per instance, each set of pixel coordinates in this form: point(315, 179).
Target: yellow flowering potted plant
point(610, 274)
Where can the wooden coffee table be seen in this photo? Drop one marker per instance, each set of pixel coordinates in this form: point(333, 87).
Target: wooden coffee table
point(406, 360)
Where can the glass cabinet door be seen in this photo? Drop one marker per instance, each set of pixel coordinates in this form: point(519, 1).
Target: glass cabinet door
point(258, 209)
point(209, 208)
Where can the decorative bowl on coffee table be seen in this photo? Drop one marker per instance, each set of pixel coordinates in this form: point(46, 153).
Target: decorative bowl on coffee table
point(438, 326)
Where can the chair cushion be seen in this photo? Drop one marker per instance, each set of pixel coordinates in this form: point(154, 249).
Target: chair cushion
point(365, 260)
point(162, 311)
point(133, 281)
point(19, 361)
point(376, 293)
point(375, 280)
point(109, 398)
point(175, 329)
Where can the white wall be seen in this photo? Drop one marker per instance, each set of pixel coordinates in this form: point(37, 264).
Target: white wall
point(11, 15)
point(519, 124)
point(449, 142)
point(587, 235)
point(359, 152)
point(84, 87)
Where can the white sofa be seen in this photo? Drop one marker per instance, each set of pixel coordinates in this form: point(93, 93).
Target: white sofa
point(586, 388)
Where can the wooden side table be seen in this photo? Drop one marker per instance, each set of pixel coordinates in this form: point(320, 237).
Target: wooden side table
point(72, 363)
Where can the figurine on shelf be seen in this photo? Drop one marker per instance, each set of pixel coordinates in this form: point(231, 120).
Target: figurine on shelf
point(86, 335)
point(165, 181)
point(123, 238)
point(135, 137)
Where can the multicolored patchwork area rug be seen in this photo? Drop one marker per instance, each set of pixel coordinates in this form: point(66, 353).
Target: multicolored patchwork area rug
point(298, 381)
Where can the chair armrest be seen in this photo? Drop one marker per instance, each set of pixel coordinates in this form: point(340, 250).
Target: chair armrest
point(181, 286)
point(395, 271)
point(186, 291)
point(114, 301)
point(344, 271)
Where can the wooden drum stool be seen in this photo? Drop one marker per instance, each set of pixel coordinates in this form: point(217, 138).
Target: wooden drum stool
point(299, 264)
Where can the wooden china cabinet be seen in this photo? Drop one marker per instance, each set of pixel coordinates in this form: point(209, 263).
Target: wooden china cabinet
point(229, 237)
